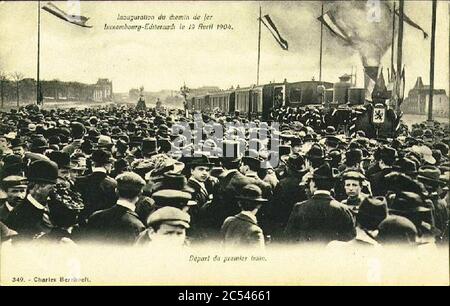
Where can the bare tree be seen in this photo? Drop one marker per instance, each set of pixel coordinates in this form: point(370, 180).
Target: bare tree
point(3, 79)
point(17, 78)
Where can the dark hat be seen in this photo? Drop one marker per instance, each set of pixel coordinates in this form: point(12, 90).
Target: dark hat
point(284, 150)
point(130, 181)
point(251, 193)
point(169, 215)
point(150, 146)
point(62, 159)
point(397, 229)
point(44, 171)
point(353, 156)
point(17, 142)
point(171, 197)
point(296, 141)
point(398, 182)
point(405, 165)
point(77, 129)
point(173, 181)
point(164, 145)
point(430, 176)
point(121, 145)
point(387, 153)
point(101, 157)
point(371, 212)
point(201, 160)
point(330, 130)
point(252, 162)
point(121, 164)
point(408, 202)
point(54, 140)
point(38, 144)
point(332, 141)
point(315, 152)
point(441, 147)
point(295, 162)
point(324, 172)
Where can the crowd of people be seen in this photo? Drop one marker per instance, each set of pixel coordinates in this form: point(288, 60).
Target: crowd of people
point(126, 176)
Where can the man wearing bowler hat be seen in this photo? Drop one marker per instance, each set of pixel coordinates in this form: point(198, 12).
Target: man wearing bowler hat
point(120, 223)
point(320, 219)
point(242, 230)
point(30, 218)
point(97, 188)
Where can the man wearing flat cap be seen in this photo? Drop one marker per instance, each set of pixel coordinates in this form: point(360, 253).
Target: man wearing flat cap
point(320, 219)
point(119, 224)
point(15, 187)
point(30, 218)
point(166, 228)
point(97, 188)
point(242, 230)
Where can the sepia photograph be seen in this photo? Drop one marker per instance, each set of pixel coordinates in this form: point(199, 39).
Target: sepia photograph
point(224, 143)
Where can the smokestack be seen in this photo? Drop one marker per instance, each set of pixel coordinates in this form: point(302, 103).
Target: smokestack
point(370, 79)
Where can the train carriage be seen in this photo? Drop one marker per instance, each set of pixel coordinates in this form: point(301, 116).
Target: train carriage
point(222, 101)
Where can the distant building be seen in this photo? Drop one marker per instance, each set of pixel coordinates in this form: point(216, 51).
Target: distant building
point(419, 97)
point(102, 90)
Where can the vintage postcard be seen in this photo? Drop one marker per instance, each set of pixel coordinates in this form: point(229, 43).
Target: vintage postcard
point(224, 143)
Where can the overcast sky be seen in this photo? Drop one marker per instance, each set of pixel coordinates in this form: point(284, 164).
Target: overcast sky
point(164, 60)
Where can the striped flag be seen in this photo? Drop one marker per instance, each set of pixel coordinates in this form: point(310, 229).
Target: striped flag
point(329, 21)
point(267, 21)
point(74, 19)
point(370, 79)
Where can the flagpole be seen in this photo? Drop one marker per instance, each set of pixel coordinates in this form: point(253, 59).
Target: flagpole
point(393, 41)
point(321, 45)
point(400, 43)
point(38, 83)
point(432, 55)
point(259, 45)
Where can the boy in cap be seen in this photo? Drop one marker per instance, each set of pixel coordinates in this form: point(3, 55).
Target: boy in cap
point(353, 184)
point(16, 190)
point(166, 227)
point(119, 224)
point(30, 218)
point(242, 230)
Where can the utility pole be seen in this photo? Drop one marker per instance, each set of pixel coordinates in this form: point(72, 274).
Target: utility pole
point(432, 56)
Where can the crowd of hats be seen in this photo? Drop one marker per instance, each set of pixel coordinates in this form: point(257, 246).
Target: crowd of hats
point(154, 145)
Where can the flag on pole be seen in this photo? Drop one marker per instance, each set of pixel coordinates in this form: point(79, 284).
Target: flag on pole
point(370, 79)
point(74, 19)
point(267, 21)
point(412, 23)
point(401, 85)
point(329, 21)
